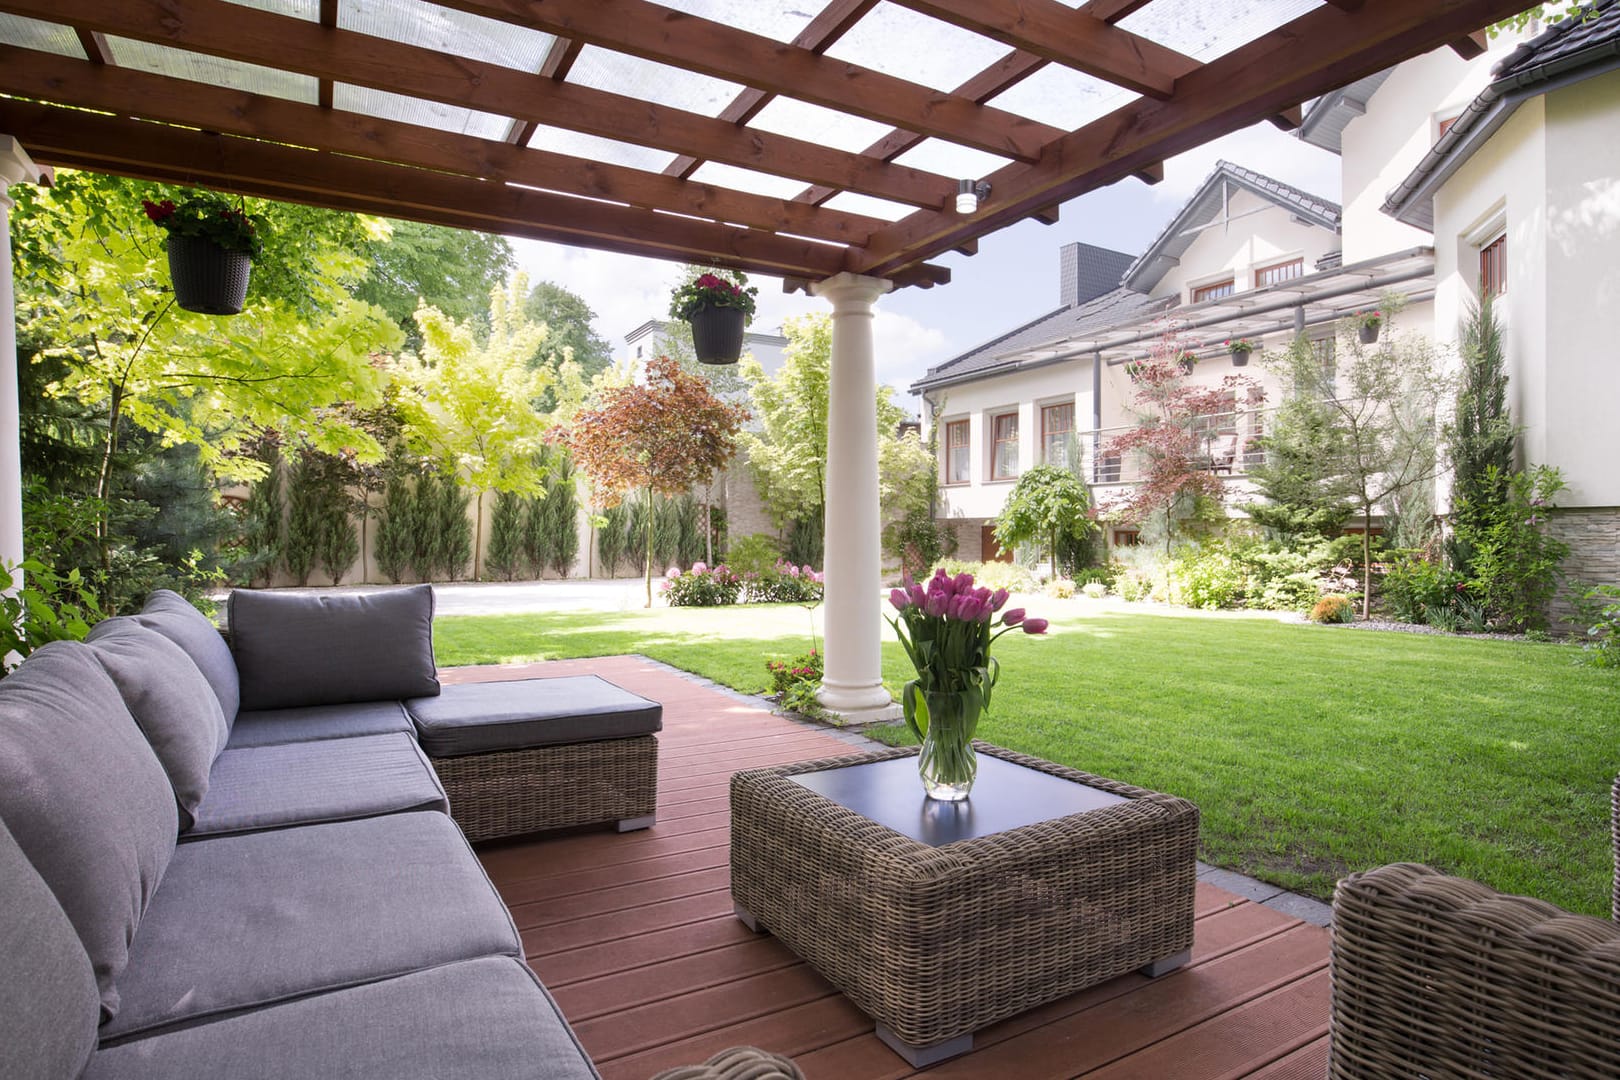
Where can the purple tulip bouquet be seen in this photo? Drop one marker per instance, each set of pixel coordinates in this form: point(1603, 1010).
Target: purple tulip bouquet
point(947, 627)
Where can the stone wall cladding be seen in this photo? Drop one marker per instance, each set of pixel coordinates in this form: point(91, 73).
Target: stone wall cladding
point(1593, 536)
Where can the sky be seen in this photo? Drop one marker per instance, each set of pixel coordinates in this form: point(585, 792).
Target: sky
point(1013, 278)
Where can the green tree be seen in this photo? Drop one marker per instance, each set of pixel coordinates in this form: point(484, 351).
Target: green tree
point(396, 525)
point(453, 547)
point(506, 558)
point(567, 318)
point(426, 525)
point(1481, 438)
point(305, 512)
point(262, 528)
point(471, 410)
point(1301, 480)
point(610, 537)
point(415, 265)
point(1045, 506)
point(561, 516)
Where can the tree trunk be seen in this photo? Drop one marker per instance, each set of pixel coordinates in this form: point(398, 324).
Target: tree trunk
point(648, 535)
point(104, 488)
point(1054, 554)
point(478, 535)
point(708, 530)
point(1366, 563)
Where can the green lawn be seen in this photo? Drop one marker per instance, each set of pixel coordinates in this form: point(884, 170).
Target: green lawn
point(1312, 751)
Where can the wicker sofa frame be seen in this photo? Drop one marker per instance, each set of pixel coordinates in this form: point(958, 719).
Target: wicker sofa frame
point(1437, 976)
point(509, 792)
point(937, 942)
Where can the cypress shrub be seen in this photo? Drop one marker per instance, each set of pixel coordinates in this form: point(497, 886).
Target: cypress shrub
point(262, 528)
point(610, 538)
point(562, 518)
point(339, 545)
point(304, 518)
point(666, 532)
point(424, 548)
point(455, 531)
point(689, 519)
point(506, 557)
point(635, 531)
point(394, 527)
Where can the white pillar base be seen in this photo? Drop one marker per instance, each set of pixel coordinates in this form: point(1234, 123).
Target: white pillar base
point(853, 681)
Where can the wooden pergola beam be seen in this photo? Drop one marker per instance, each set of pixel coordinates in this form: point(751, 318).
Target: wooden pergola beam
point(176, 101)
point(1075, 39)
point(78, 139)
point(696, 44)
point(277, 41)
point(1322, 49)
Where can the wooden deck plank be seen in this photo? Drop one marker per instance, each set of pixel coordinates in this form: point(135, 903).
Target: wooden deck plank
point(634, 936)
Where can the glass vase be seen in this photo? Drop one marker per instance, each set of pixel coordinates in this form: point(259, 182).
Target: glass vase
point(947, 763)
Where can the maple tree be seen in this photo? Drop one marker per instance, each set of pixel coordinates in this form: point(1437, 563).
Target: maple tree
point(662, 436)
point(1171, 439)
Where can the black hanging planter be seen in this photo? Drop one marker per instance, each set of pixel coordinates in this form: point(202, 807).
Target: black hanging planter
point(1240, 357)
point(208, 279)
point(717, 334)
point(1369, 333)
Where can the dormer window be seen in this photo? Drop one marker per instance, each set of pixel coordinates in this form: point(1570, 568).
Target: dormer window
point(1213, 291)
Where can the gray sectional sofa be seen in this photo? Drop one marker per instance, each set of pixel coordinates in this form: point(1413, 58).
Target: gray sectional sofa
point(235, 861)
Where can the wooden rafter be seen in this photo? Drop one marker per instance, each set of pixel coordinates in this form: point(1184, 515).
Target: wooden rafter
point(277, 41)
point(1323, 48)
point(94, 46)
point(559, 60)
point(329, 19)
point(673, 37)
point(1073, 38)
point(174, 101)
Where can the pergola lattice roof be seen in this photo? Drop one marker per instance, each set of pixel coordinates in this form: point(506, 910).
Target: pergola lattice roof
point(796, 139)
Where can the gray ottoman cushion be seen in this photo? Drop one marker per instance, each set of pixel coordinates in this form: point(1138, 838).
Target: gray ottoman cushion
point(271, 787)
point(49, 1007)
point(250, 920)
point(170, 700)
point(172, 615)
point(476, 718)
point(266, 727)
point(321, 649)
point(85, 798)
point(479, 1018)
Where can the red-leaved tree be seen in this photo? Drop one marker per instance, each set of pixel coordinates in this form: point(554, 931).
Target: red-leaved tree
point(663, 436)
point(1171, 438)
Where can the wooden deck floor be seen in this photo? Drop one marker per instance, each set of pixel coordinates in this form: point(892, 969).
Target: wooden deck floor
point(635, 937)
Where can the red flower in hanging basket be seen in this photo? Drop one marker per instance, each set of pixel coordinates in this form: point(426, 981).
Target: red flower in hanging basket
point(207, 216)
point(713, 291)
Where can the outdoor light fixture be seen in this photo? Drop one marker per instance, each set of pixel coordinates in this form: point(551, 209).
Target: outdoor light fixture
point(969, 194)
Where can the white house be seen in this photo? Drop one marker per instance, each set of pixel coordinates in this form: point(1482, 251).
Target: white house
point(1499, 173)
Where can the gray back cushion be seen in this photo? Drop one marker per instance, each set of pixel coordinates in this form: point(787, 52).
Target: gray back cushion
point(172, 615)
point(170, 700)
point(296, 649)
point(85, 798)
point(48, 1003)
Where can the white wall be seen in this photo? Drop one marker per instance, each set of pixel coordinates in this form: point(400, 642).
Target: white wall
point(1025, 392)
point(1236, 248)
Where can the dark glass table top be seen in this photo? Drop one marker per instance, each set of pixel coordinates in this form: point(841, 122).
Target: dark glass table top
point(1005, 796)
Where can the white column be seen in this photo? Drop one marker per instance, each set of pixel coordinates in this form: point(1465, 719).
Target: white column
point(15, 167)
point(852, 683)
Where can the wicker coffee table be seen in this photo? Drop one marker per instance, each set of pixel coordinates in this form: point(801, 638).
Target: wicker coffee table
point(938, 919)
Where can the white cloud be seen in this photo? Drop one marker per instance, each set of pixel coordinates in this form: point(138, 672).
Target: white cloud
point(1261, 148)
point(904, 348)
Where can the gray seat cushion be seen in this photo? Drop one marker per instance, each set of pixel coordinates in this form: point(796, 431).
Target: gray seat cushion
point(170, 700)
point(172, 615)
point(248, 920)
point(479, 1018)
point(297, 649)
point(49, 1007)
point(476, 718)
point(270, 787)
point(85, 798)
point(268, 727)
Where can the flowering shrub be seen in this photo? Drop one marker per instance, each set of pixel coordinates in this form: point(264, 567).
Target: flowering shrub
point(992, 575)
point(785, 674)
point(701, 586)
point(1060, 588)
point(784, 583)
point(1333, 609)
point(1094, 590)
point(207, 217)
point(711, 290)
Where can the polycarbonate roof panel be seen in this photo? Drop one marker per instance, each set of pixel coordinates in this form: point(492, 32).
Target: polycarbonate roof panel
point(853, 202)
point(595, 148)
point(730, 176)
point(918, 48)
point(308, 10)
point(951, 159)
point(40, 36)
point(1062, 97)
point(813, 123)
point(213, 70)
point(454, 32)
point(646, 80)
point(1212, 28)
point(781, 20)
point(428, 114)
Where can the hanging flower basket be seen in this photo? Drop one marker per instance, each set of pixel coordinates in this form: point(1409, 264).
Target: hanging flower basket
point(718, 309)
point(717, 334)
point(208, 279)
point(1367, 325)
point(1240, 348)
point(1187, 361)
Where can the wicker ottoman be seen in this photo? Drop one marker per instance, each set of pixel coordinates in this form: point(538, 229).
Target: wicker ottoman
point(516, 757)
point(938, 919)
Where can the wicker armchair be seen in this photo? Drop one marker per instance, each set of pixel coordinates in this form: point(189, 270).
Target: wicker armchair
point(1435, 976)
